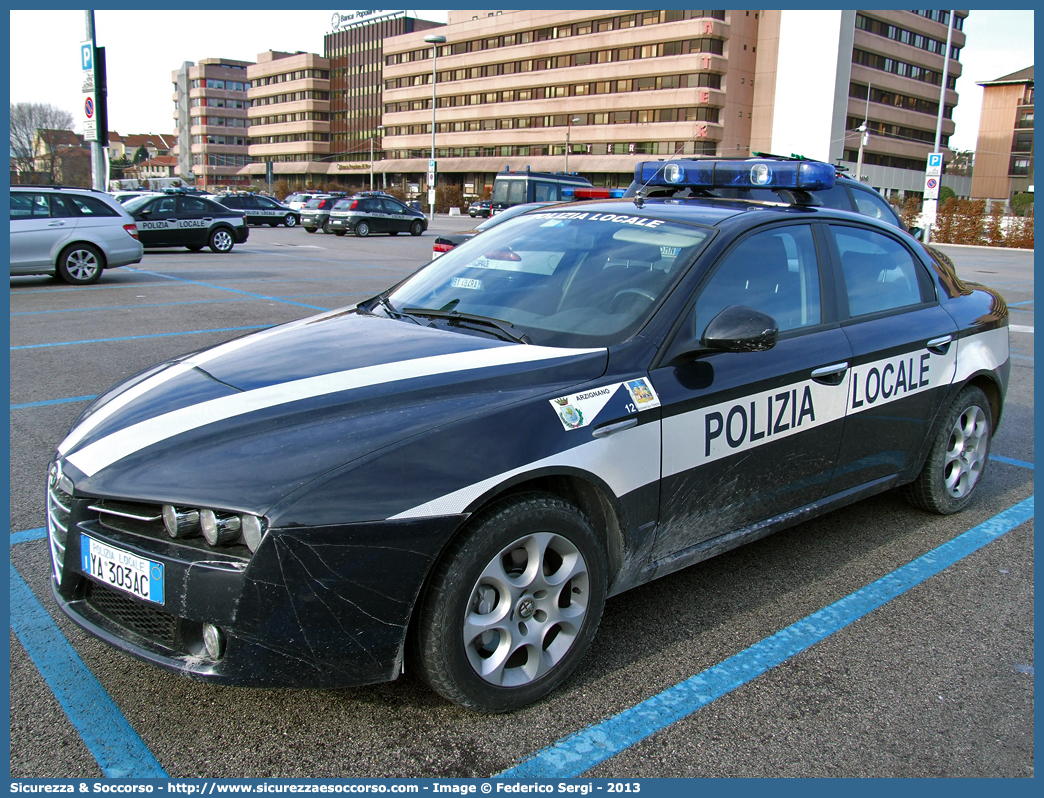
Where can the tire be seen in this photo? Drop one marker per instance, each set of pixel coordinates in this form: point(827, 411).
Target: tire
point(958, 456)
point(290, 220)
point(311, 229)
point(416, 228)
point(339, 232)
point(80, 264)
point(490, 584)
point(326, 227)
point(221, 240)
point(194, 247)
point(362, 229)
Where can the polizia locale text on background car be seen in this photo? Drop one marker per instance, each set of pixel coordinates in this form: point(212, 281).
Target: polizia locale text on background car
point(453, 476)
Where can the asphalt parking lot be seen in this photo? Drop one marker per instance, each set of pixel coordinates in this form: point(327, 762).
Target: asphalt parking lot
point(935, 681)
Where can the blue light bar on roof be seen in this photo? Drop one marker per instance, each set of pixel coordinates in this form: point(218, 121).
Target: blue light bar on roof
point(796, 175)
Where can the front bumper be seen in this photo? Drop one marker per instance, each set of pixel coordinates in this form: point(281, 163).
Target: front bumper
point(316, 607)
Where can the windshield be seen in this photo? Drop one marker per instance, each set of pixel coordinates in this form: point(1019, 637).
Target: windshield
point(135, 204)
point(561, 278)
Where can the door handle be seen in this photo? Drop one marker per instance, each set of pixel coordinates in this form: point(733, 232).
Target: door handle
point(56, 224)
point(175, 221)
point(940, 345)
point(606, 430)
point(830, 375)
point(208, 218)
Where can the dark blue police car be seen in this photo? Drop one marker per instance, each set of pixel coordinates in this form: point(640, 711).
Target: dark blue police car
point(454, 475)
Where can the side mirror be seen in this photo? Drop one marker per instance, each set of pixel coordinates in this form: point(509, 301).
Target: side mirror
point(918, 233)
point(741, 329)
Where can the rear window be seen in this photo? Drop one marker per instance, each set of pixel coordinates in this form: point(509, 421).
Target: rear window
point(312, 203)
point(92, 206)
point(343, 205)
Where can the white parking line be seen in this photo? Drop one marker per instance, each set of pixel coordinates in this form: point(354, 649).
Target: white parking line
point(1020, 328)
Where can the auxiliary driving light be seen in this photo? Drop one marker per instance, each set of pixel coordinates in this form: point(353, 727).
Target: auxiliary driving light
point(214, 640)
point(219, 530)
point(180, 523)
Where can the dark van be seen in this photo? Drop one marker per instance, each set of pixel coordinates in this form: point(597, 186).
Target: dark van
point(514, 188)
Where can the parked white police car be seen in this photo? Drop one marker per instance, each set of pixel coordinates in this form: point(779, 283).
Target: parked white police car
point(455, 475)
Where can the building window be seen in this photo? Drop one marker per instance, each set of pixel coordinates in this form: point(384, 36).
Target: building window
point(1019, 167)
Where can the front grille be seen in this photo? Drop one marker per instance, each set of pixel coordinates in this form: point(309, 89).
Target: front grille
point(148, 622)
point(59, 506)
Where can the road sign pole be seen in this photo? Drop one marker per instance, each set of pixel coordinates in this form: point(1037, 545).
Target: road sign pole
point(98, 170)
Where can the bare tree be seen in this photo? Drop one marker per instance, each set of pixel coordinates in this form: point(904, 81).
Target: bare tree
point(33, 123)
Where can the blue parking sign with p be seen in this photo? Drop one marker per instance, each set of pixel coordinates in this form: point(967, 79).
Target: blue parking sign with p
point(935, 159)
point(86, 56)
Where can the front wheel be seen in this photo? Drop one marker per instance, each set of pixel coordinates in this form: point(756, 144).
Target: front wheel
point(310, 229)
point(194, 247)
point(362, 229)
point(513, 605)
point(290, 220)
point(221, 241)
point(958, 456)
point(326, 227)
point(80, 264)
point(416, 229)
point(339, 232)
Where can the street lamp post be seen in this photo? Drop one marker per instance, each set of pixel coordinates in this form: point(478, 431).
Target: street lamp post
point(569, 126)
point(434, 40)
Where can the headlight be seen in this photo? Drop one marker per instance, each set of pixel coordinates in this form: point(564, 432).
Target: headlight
point(219, 530)
point(180, 523)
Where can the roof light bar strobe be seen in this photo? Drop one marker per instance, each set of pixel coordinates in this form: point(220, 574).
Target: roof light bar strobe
point(753, 173)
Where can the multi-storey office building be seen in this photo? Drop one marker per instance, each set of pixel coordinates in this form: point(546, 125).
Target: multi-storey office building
point(822, 74)
point(1004, 151)
point(288, 115)
point(514, 87)
point(211, 112)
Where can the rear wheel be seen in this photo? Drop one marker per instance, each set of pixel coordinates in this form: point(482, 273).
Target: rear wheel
point(311, 229)
point(326, 227)
point(221, 240)
point(80, 264)
point(362, 229)
point(290, 220)
point(339, 232)
point(513, 605)
point(958, 457)
point(416, 228)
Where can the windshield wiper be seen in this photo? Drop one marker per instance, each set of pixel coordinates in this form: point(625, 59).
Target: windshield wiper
point(382, 300)
point(464, 319)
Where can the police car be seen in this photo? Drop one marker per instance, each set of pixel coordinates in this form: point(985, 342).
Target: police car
point(453, 476)
point(184, 220)
point(375, 212)
point(261, 210)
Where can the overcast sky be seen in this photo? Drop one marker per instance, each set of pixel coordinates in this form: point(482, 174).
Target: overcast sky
point(144, 47)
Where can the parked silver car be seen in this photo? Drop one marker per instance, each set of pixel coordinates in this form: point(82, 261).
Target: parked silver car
point(72, 233)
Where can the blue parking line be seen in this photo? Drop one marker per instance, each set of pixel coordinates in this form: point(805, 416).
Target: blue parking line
point(28, 535)
point(140, 337)
point(53, 402)
point(1011, 461)
point(223, 288)
point(114, 744)
point(1018, 304)
point(578, 753)
point(130, 307)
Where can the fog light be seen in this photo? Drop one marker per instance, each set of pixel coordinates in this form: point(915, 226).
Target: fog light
point(219, 530)
point(253, 530)
point(180, 523)
point(214, 641)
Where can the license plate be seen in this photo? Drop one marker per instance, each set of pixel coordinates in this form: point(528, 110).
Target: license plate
point(122, 570)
